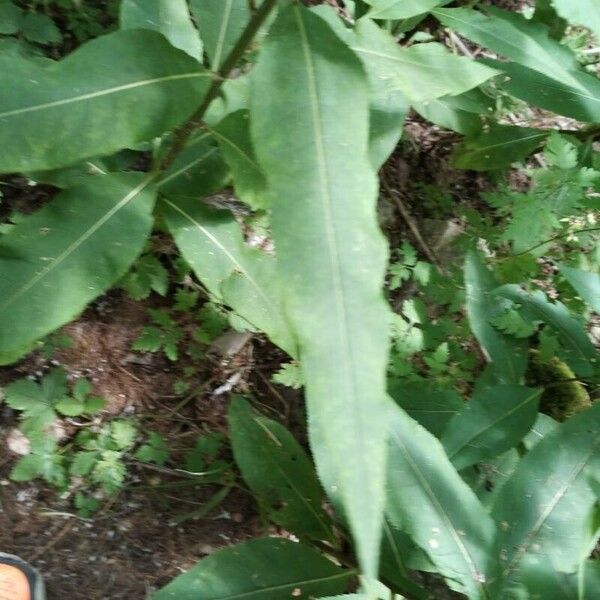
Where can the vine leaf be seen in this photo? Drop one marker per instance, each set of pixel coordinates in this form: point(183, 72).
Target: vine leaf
point(331, 255)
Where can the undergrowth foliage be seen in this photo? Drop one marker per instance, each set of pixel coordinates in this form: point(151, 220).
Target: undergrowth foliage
point(453, 431)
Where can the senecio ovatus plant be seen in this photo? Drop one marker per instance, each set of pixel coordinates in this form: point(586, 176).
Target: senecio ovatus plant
point(297, 108)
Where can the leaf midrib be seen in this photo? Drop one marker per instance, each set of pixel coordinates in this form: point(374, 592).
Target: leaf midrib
point(75, 244)
point(474, 572)
point(100, 93)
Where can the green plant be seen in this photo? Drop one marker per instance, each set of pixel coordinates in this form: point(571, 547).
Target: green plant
point(299, 108)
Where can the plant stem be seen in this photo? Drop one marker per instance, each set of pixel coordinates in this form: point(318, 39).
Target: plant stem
point(181, 135)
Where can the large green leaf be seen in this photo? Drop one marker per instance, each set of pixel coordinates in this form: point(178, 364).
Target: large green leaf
point(580, 12)
point(221, 23)
point(422, 72)
point(586, 283)
point(508, 356)
point(579, 352)
point(241, 277)
point(169, 17)
point(493, 421)
point(277, 469)
point(57, 260)
point(428, 499)
point(514, 37)
point(113, 92)
point(264, 569)
point(331, 256)
point(543, 510)
point(400, 9)
point(233, 134)
point(498, 147)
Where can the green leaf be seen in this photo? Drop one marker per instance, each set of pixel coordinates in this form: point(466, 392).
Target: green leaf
point(388, 104)
point(263, 569)
point(290, 375)
point(154, 450)
point(400, 9)
point(586, 284)
point(169, 17)
point(498, 147)
point(514, 37)
point(109, 472)
point(428, 499)
point(40, 29)
point(507, 356)
point(70, 407)
point(242, 277)
point(57, 260)
point(432, 408)
point(578, 100)
point(582, 12)
point(10, 17)
point(198, 171)
point(324, 224)
point(83, 463)
point(543, 509)
point(579, 352)
point(123, 434)
point(276, 468)
point(560, 152)
point(512, 323)
point(147, 275)
point(221, 23)
point(423, 71)
point(29, 398)
point(233, 135)
point(541, 428)
point(493, 421)
point(445, 113)
point(113, 92)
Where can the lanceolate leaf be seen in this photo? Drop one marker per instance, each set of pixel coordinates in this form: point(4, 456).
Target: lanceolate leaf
point(493, 421)
point(581, 101)
point(331, 255)
point(423, 71)
point(428, 499)
point(113, 92)
point(264, 569)
point(586, 283)
point(400, 9)
point(276, 468)
point(241, 277)
point(515, 38)
point(508, 356)
point(498, 147)
point(169, 17)
point(220, 22)
point(233, 135)
point(543, 509)
point(56, 261)
point(580, 353)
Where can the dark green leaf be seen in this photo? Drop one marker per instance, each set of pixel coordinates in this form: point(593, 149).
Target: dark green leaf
point(508, 356)
point(493, 421)
point(276, 468)
point(586, 283)
point(264, 569)
point(498, 147)
point(543, 510)
point(10, 17)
